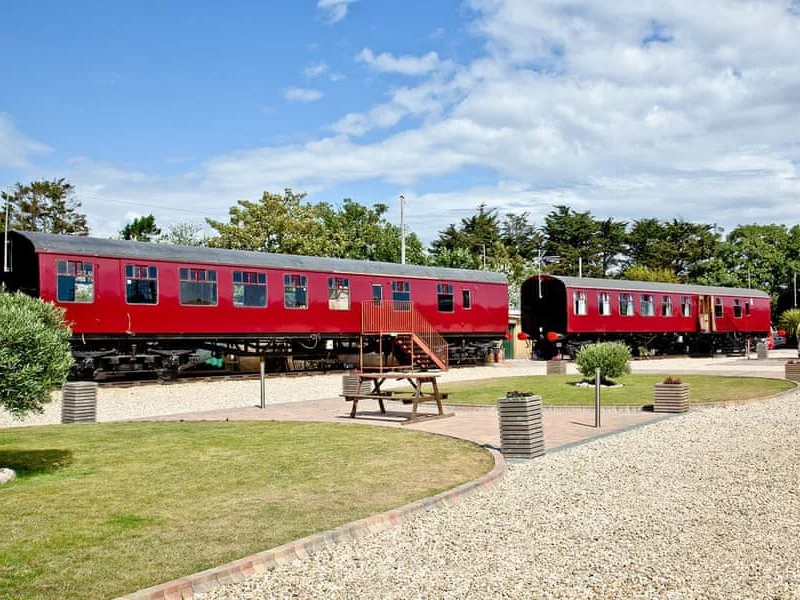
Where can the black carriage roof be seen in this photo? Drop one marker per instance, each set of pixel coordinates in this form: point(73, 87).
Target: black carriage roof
point(654, 286)
point(99, 247)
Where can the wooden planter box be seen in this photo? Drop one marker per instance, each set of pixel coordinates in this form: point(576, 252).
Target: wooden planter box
point(671, 397)
point(793, 372)
point(556, 367)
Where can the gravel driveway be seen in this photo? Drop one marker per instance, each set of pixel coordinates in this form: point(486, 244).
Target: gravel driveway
point(703, 505)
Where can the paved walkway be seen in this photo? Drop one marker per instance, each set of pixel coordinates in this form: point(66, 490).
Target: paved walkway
point(480, 424)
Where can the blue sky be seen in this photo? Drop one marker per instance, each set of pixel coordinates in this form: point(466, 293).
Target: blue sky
point(627, 109)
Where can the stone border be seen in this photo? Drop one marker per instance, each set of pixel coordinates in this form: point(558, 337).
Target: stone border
point(200, 583)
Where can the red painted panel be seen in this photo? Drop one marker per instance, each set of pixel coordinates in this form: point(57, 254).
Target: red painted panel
point(111, 314)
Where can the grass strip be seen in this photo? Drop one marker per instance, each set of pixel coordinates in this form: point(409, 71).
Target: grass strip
point(635, 390)
point(101, 510)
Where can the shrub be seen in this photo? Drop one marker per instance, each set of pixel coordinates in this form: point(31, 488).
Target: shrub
point(613, 358)
point(34, 352)
point(790, 321)
point(672, 380)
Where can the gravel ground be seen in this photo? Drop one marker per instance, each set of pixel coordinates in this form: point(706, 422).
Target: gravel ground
point(121, 404)
point(703, 505)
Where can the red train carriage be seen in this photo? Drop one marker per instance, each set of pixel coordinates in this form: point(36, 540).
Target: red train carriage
point(560, 314)
point(144, 306)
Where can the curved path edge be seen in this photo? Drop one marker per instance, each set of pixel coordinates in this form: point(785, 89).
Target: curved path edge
point(193, 586)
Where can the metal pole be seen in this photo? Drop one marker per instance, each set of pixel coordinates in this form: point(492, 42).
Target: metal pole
point(597, 398)
point(580, 266)
point(5, 240)
point(402, 229)
point(794, 278)
point(263, 384)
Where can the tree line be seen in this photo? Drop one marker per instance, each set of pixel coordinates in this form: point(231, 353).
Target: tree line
point(567, 242)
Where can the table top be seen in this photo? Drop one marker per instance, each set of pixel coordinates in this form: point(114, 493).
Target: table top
point(397, 375)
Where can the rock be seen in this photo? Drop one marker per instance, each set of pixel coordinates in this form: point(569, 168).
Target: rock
point(7, 475)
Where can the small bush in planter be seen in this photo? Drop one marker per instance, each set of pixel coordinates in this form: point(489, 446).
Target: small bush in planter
point(613, 359)
point(516, 394)
point(669, 379)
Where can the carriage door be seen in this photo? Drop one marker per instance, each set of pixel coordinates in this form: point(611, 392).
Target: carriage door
point(704, 308)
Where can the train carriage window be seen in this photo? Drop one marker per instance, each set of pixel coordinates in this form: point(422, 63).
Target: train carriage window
point(579, 303)
point(338, 293)
point(626, 305)
point(377, 294)
point(666, 306)
point(444, 297)
point(718, 308)
point(604, 304)
point(198, 287)
point(737, 308)
point(647, 307)
point(747, 308)
point(141, 284)
point(75, 281)
point(686, 306)
point(295, 291)
point(466, 299)
point(249, 289)
point(401, 295)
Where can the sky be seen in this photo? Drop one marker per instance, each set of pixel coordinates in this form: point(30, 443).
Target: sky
point(628, 109)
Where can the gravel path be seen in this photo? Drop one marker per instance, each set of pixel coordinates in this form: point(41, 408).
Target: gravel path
point(704, 505)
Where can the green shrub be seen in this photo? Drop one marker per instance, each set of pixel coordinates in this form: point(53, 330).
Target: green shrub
point(790, 321)
point(613, 358)
point(34, 352)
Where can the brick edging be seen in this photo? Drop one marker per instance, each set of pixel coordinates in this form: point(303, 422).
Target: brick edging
point(197, 584)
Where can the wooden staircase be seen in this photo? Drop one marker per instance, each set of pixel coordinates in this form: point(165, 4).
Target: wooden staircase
point(411, 331)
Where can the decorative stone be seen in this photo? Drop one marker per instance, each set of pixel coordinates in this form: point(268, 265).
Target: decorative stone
point(79, 402)
point(7, 475)
point(793, 371)
point(521, 433)
point(556, 367)
point(671, 397)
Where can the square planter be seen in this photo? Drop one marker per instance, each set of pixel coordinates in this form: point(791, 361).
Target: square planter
point(671, 397)
point(793, 372)
point(556, 367)
point(521, 432)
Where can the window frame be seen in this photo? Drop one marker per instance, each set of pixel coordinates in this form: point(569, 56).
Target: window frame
point(401, 287)
point(580, 304)
point(719, 308)
point(295, 282)
point(134, 267)
point(209, 279)
point(647, 305)
point(686, 306)
point(377, 300)
point(604, 304)
point(737, 308)
point(667, 309)
point(338, 286)
point(629, 303)
point(444, 291)
point(71, 271)
point(466, 299)
point(259, 276)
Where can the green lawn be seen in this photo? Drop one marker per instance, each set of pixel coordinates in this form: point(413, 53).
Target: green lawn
point(102, 510)
point(636, 390)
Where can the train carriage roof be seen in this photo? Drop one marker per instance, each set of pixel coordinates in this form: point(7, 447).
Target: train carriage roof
point(98, 247)
point(654, 286)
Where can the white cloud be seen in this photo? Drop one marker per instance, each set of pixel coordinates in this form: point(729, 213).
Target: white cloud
point(314, 70)
point(626, 109)
point(405, 65)
point(304, 95)
point(335, 10)
point(16, 149)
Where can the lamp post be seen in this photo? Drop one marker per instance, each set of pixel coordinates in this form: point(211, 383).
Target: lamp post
point(540, 258)
point(402, 229)
point(6, 269)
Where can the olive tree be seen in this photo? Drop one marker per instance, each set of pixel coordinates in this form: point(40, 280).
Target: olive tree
point(34, 352)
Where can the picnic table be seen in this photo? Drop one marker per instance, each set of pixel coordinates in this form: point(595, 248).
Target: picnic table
point(415, 396)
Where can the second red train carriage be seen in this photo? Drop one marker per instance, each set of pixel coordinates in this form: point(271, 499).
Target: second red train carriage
point(560, 314)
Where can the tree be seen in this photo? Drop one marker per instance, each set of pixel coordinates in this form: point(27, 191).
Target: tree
point(34, 352)
point(572, 236)
point(141, 229)
point(276, 223)
point(47, 206)
point(183, 233)
point(639, 273)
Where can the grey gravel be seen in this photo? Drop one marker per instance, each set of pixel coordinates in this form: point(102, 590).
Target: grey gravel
point(702, 505)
